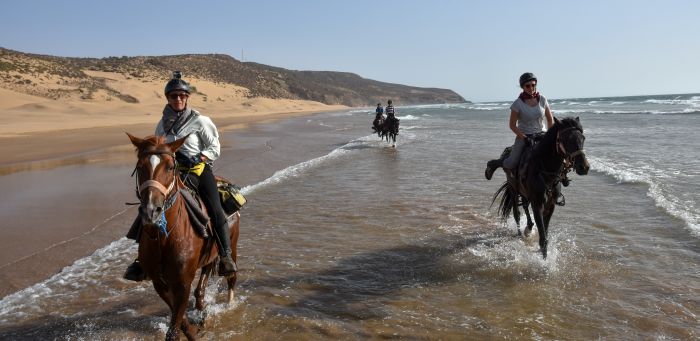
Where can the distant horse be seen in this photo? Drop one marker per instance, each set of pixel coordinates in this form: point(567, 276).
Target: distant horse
point(389, 128)
point(170, 250)
point(541, 170)
point(377, 124)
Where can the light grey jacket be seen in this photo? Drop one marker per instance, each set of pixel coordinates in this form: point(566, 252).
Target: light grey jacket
point(203, 136)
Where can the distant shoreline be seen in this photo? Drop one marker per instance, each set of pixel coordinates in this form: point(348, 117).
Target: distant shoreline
point(48, 149)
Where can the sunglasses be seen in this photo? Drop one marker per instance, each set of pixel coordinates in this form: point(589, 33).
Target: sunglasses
point(176, 96)
point(530, 85)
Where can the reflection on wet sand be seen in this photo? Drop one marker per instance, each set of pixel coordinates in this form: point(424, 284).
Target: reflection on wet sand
point(113, 155)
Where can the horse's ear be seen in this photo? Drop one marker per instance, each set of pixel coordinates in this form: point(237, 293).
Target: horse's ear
point(175, 145)
point(556, 120)
point(577, 120)
point(135, 140)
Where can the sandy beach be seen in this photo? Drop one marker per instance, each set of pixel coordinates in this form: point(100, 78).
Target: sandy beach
point(48, 221)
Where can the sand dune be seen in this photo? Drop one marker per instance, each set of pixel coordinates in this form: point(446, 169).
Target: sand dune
point(31, 122)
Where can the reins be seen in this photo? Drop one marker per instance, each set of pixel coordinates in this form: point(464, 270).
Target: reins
point(567, 158)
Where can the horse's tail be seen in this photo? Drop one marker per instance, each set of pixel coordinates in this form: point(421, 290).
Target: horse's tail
point(509, 199)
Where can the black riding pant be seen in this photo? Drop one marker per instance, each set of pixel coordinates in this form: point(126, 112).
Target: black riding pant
point(210, 195)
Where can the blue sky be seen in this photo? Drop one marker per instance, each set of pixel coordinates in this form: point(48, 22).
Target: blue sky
point(477, 48)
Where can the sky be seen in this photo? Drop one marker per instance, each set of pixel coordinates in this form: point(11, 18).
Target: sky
point(477, 48)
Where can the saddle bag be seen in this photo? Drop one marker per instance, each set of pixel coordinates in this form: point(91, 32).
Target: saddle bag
point(231, 197)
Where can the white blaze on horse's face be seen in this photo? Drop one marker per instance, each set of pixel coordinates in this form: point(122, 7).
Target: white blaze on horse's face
point(155, 160)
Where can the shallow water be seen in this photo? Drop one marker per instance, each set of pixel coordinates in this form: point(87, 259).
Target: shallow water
point(354, 239)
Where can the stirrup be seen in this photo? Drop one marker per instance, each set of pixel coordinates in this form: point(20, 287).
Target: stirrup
point(561, 201)
point(226, 270)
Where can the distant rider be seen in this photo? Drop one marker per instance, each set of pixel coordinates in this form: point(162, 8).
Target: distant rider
point(391, 119)
point(378, 118)
point(390, 110)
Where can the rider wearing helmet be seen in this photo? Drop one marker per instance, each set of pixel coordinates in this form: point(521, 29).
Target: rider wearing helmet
point(378, 117)
point(527, 116)
point(390, 110)
point(379, 109)
point(198, 153)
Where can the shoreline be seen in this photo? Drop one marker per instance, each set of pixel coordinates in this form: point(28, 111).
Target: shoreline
point(72, 143)
point(51, 217)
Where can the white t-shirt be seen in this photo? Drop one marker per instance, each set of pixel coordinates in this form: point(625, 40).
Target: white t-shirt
point(530, 119)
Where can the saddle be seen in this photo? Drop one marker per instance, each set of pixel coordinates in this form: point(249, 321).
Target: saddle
point(519, 173)
point(231, 200)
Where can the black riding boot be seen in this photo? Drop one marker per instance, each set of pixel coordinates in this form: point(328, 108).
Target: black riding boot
point(227, 266)
point(491, 167)
point(135, 272)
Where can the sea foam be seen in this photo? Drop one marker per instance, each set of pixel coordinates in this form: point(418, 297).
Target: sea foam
point(625, 173)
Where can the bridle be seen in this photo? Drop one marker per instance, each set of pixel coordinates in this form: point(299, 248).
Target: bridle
point(561, 150)
point(166, 191)
point(140, 187)
point(568, 158)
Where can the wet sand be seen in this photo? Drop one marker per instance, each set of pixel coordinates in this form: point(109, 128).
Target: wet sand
point(64, 193)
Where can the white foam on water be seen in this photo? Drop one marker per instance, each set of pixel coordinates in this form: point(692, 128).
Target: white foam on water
point(43, 297)
point(626, 173)
point(408, 118)
point(692, 102)
point(360, 111)
point(295, 170)
point(437, 106)
point(413, 127)
point(523, 255)
point(621, 112)
point(87, 271)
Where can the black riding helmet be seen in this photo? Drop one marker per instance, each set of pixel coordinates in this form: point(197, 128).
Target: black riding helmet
point(177, 84)
point(526, 77)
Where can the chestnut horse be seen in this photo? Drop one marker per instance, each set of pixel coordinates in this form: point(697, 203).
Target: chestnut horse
point(170, 250)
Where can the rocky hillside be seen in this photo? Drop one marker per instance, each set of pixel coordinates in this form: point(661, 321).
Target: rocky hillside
point(56, 77)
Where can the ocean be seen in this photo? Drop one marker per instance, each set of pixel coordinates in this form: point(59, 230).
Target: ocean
point(350, 238)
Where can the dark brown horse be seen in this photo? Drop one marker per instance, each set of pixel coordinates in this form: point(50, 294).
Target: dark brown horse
point(541, 169)
point(170, 250)
point(387, 128)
